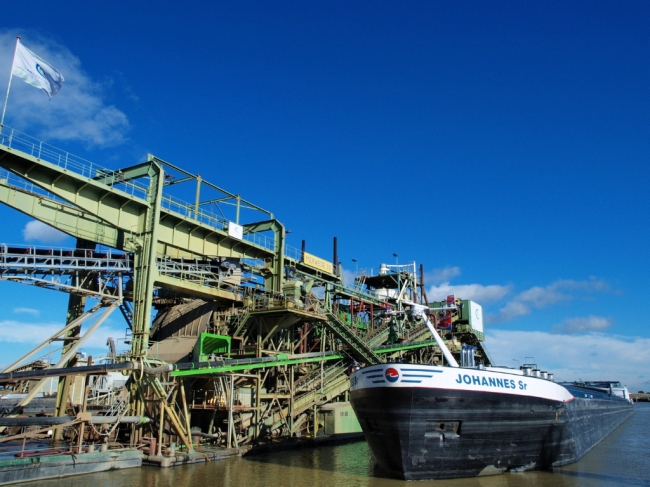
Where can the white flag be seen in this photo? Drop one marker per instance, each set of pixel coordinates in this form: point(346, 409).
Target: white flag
point(33, 70)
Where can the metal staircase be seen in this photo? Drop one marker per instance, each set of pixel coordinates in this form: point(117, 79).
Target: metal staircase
point(240, 321)
point(357, 346)
point(379, 335)
point(120, 404)
point(127, 311)
point(333, 388)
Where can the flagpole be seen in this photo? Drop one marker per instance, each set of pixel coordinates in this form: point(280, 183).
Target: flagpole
point(11, 73)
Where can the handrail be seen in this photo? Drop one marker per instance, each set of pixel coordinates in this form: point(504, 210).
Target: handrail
point(15, 139)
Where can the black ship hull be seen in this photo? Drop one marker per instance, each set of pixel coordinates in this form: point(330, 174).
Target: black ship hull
point(418, 432)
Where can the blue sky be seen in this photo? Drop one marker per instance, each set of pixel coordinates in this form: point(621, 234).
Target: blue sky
point(504, 145)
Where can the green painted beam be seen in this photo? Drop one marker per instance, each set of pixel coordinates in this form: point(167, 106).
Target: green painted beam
point(145, 270)
point(63, 217)
point(234, 368)
point(279, 362)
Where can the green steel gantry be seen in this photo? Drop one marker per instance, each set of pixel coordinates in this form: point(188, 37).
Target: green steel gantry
point(170, 244)
point(127, 210)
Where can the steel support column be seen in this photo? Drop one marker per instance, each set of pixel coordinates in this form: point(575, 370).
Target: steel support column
point(76, 308)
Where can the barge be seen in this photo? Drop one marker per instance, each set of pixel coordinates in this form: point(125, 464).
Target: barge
point(470, 419)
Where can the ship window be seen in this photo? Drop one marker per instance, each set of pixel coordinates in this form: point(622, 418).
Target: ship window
point(433, 428)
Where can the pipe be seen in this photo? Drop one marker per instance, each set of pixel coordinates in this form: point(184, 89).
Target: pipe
point(422, 290)
point(445, 351)
point(58, 372)
point(89, 369)
point(106, 368)
point(44, 421)
point(153, 370)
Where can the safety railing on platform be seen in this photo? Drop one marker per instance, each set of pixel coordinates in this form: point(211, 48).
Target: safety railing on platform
point(17, 140)
point(205, 273)
point(293, 253)
point(36, 148)
point(19, 183)
point(260, 240)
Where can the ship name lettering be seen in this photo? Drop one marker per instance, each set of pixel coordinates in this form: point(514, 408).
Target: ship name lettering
point(489, 382)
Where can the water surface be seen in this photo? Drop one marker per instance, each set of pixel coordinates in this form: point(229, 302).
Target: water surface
point(621, 459)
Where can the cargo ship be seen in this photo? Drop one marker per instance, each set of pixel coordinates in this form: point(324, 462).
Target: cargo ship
point(467, 419)
point(432, 422)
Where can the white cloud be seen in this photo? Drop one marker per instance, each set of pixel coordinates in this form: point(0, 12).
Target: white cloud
point(541, 297)
point(18, 337)
point(40, 232)
point(14, 331)
point(78, 112)
point(438, 276)
point(572, 326)
point(29, 311)
point(18, 332)
point(476, 292)
point(589, 356)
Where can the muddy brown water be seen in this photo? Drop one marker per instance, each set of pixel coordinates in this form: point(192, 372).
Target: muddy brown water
point(621, 459)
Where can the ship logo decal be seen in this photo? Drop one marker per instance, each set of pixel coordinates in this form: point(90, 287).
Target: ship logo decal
point(374, 374)
point(415, 376)
point(392, 375)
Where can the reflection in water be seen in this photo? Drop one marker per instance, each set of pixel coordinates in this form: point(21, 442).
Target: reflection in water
point(620, 460)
